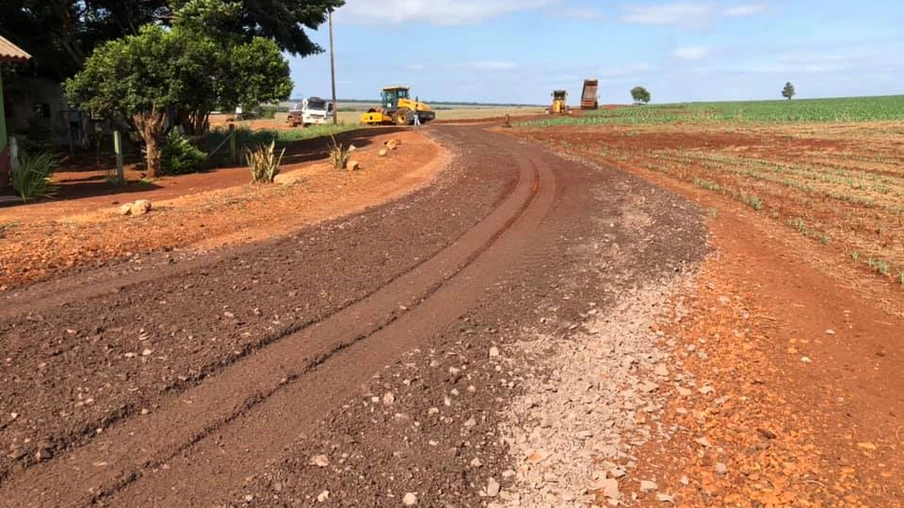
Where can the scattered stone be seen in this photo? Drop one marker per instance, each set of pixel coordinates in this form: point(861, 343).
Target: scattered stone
point(665, 498)
point(806, 359)
point(648, 387)
point(648, 486)
point(353, 165)
point(493, 487)
point(494, 352)
point(703, 442)
point(830, 332)
point(684, 392)
point(706, 390)
point(319, 461)
point(141, 207)
point(661, 370)
point(721, 469)
point(410, 499)
point(125, 209)
point(475, 462)
point(617, 472)
point(766, 433)
point(609, 486)
point(388, 399)
point(383, 152)
point(471, 422)
point(685, 481)
point(323, 496)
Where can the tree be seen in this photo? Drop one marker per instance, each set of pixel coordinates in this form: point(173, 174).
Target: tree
point(60, 34)
point(788, 92)
point(143, 78)
point(238, 72)
point(140, 78)
point(640, 95)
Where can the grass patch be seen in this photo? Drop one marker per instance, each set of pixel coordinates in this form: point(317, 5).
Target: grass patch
point(752, 201)
point(848, 109)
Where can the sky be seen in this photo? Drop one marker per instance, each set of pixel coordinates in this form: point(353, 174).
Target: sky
point(518, 51)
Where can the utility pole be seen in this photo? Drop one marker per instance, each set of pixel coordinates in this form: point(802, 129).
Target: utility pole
point(333, 67)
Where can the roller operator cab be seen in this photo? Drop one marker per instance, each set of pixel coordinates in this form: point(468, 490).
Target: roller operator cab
point(397, 107)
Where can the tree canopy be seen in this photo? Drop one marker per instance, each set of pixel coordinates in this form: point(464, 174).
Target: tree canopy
point(180, 74)
point(60, 34)
point(640, 95)
point(788, 92)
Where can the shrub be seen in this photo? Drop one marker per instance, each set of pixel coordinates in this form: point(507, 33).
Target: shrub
point(338, 154)
point(268, 112)
point(36, 138)
point(264, 162)
point(180, 157)
point(31, 178)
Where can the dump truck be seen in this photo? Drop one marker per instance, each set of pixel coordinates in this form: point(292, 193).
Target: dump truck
point(311, 111)
point(396, 107)
point(559, 103)
point(590, 95)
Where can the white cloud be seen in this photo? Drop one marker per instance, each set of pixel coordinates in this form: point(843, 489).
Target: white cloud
point(741, 11)
point(690, 52)
point(686, 13)
point(813, 58)
point(492, 66)
point(435, 12)
point(580, 13)
point(681, 13)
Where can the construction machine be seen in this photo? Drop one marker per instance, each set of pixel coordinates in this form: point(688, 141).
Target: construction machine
point(397, 107)
point(590, 95)
point(559, 103)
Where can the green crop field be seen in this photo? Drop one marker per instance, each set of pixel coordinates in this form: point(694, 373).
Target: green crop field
point(854, 109)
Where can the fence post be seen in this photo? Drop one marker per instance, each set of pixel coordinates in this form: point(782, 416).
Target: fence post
point(233, 150)
point(117, 148)
point(13, 154)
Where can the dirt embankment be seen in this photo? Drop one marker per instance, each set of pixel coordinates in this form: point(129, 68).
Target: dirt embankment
point(206, 210)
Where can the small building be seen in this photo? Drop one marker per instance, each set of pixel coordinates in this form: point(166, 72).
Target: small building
point(9, 53)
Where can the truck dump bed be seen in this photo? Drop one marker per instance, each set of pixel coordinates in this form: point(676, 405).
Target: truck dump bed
point(589, 96)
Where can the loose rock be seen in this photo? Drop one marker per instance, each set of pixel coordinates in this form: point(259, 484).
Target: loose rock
point(492, 487)
point(648, 486)
point(319, 461)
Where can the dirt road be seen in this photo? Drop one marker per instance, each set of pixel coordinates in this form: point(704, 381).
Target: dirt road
point(248, 377)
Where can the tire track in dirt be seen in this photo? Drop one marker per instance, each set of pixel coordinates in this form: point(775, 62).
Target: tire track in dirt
point(56, 358)
point(262, 386)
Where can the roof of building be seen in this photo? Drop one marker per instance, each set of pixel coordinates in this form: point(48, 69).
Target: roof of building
point(9, 52)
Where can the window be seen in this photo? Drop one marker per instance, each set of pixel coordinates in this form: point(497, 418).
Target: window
point(42, 109)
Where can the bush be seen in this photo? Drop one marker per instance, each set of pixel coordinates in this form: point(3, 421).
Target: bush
point(36, 138)
point(264, 162)
point(268, 112)
point(180, 157)
point(31, 178)
point(338, 154)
